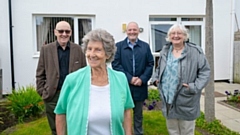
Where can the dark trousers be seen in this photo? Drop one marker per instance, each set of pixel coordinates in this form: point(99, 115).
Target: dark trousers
point(138, 117)
point(49, 108)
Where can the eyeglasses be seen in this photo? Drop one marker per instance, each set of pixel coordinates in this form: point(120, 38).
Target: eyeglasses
point(176, 33)
point(62, 31)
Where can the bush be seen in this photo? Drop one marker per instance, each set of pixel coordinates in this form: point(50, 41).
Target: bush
point(1, 120)
point(153, 99)
point(214, 127)
point(235, 97)
point(1, 113)
point(7, 118)
point(25, 103)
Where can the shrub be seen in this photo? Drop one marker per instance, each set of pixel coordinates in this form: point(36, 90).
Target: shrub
point(25, 103)
point(235, 97)
point(1, 120)
point(7, 118)
point(153, 95)
point(153, 98)
point(214, 127)
point(2, 111)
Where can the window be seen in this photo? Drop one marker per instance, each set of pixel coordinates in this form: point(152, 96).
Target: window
point(45, 29)
point(162, 19)
point(192, 19)
point(159, 34)
point(159, 27)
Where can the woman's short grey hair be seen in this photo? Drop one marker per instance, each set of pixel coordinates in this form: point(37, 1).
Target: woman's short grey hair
point(104, 37)
point(181, 27)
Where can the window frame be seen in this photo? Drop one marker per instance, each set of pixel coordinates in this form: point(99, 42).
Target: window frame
point(75, 20)
point(178, 20)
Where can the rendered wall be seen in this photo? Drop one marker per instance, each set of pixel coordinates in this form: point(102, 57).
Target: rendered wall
point(109, 15)
point(5, 47)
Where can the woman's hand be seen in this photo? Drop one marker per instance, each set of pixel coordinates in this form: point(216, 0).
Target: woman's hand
point(185, 85)
point(61, 124)
point(127, 125)
point(156, 83)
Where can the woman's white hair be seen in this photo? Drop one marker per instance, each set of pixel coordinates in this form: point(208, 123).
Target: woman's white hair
point(104, 37)
point(178, 26)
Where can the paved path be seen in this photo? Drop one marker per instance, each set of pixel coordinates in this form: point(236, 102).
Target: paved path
point(229, 117)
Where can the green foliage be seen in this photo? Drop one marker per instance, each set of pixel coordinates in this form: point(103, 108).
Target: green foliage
point(235, 97)
point(3, 112)
point(153, 95)
point(153, 98)
point(1, 120)
point(214, 127)
point(153, 124)
point(25, 103)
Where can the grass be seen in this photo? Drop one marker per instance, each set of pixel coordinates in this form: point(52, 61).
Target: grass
point(153, 124)
point(38, 127)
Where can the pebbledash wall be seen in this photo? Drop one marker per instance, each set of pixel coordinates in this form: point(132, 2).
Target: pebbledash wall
point(109, 15)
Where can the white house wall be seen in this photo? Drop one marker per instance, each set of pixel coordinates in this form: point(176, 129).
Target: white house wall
point(109, 15)
point(5, 47)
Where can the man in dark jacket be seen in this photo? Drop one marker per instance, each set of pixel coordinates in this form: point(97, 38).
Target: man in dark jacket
point(56, 61)
point(134, 58)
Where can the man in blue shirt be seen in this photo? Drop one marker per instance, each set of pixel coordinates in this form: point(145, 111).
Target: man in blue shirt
point(134, 58)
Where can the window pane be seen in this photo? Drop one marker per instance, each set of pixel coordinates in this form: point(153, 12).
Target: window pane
point(195, 34)
point(162, 19)
point(192, 19)
point(159, 33)
point(45, 29)
point(84, 26)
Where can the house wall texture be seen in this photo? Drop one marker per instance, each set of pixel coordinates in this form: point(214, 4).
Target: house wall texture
point(109, 15)
point(5, 64)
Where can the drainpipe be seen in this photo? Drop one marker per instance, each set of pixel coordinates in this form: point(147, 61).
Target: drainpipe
point(11, 43)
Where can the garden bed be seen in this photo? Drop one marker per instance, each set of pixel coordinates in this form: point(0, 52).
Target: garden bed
point(7, 118)
point(232, 105)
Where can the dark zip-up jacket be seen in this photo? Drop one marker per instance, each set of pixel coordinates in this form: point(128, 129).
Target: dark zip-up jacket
point(144, 62)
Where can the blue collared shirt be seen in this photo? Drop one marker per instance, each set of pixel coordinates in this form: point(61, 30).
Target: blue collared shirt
point(169, 79)
point(132, 46)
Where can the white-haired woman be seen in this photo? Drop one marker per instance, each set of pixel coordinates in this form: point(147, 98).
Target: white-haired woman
point(95, 100)
point(182, 72)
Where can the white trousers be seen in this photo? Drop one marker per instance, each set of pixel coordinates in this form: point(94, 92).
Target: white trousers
point(180, 127)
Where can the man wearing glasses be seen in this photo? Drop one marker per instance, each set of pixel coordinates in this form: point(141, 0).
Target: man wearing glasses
point(56, 61)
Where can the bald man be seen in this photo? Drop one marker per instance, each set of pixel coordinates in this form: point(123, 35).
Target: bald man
point(56, 61)
point(134, 58)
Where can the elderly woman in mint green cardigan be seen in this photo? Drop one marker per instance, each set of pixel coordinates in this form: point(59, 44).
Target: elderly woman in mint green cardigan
point(95, 100)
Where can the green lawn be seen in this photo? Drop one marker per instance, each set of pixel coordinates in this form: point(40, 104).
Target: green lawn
point(38, 127)
point(153, 124)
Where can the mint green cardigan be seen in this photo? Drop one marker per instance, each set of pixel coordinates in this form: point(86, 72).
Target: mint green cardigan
point(74, 100)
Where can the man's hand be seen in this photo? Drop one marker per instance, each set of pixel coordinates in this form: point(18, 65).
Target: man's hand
point(133, 81)
point(136, 81)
